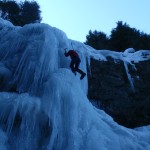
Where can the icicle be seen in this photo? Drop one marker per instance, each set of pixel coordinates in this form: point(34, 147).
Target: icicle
point(129, 76)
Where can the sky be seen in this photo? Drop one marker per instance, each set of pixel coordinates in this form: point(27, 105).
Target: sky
point(77, 17)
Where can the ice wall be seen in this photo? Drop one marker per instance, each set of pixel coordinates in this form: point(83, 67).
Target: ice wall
point(43, 105)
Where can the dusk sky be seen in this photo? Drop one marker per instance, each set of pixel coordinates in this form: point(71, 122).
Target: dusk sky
point(77, 17)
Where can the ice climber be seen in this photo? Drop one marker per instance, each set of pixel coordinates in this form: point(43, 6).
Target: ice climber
point(75, 62)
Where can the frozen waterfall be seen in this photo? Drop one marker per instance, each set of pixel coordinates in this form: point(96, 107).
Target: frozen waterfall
point(43, 105)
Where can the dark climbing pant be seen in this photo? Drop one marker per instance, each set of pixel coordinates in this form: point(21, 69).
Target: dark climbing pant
point(74, 65)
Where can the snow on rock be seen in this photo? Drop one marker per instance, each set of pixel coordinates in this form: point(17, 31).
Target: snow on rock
point(44, 106)
point(127, 51)
point(5, 23)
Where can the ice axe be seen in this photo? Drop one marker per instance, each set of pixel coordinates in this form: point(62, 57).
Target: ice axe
point(65, 49)
point(72, 45)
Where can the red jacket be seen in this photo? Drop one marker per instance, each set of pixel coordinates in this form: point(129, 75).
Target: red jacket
point(72, 54)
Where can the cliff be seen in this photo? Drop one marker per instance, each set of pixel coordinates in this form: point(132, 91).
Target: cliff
point(111, 89)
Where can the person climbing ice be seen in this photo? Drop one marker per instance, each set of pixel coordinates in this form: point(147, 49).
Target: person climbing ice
point(75, 62)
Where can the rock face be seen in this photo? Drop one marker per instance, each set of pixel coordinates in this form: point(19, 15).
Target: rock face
point(109, 86)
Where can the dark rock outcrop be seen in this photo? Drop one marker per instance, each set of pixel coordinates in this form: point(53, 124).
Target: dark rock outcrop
point(109, 86)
